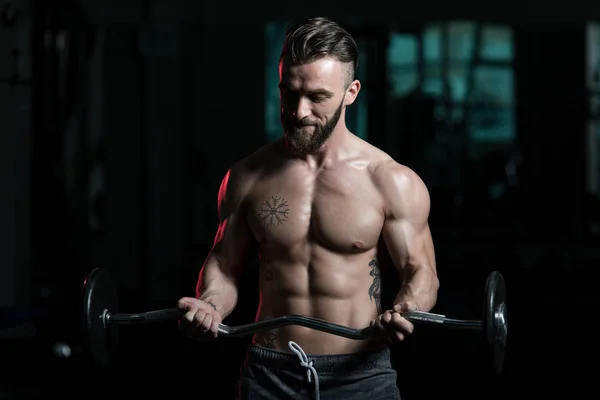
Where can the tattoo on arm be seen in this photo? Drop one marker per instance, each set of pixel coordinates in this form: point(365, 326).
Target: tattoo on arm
point(273, 212)
point(212, 305)
point(375, 288)
point(269, 339)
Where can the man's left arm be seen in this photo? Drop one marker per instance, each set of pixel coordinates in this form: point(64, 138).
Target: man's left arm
point(407, 237)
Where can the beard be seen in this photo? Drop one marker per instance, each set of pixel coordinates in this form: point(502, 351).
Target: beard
point(300, 141)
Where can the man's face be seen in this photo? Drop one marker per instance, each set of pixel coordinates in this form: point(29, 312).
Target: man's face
point(313, 100)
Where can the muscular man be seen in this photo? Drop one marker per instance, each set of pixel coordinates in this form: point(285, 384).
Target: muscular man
point(316, 204)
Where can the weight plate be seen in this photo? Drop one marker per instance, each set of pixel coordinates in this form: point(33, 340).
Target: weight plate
point(100, 296)
point(495, 324)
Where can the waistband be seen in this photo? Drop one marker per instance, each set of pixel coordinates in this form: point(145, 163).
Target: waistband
point(334, 363)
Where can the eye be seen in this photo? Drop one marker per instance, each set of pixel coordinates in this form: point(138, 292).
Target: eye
point(317, 99)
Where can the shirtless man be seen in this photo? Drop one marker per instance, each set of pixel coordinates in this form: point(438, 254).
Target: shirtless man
point(316, 204)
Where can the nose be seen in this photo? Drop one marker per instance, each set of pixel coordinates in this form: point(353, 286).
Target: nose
point(302, 109)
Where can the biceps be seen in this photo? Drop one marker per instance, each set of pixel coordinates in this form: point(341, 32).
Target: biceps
point(425, 244)
point(409, 245)
point(231, 244)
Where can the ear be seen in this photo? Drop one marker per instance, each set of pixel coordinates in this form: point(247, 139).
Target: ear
point(352, 92)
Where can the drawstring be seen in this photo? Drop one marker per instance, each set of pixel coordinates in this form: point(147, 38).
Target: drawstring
point(310, 370)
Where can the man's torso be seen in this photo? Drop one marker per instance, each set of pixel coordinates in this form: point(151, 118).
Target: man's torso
point(317, 233)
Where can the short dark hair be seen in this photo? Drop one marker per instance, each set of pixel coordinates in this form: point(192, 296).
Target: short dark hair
point(316, 38)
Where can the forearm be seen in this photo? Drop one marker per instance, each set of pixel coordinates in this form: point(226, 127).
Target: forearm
point(420, 285)
point(217, 287)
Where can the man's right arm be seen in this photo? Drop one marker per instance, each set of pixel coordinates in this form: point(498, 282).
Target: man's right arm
point(218, 279)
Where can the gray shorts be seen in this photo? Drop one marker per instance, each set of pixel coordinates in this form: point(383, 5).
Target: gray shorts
point(274, 375)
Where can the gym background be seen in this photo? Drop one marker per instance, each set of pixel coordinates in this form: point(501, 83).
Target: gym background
point(116, 132)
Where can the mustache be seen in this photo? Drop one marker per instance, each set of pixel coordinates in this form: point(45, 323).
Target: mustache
point(299, 124)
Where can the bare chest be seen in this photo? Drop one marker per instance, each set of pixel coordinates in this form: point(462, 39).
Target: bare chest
point(341, 212)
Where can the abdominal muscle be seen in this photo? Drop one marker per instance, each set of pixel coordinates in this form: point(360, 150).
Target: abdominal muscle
point(339, 289)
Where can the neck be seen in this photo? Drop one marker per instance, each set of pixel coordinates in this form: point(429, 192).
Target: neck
point(330, 151)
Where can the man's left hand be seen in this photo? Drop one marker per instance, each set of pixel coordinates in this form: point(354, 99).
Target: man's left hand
point(391, 326)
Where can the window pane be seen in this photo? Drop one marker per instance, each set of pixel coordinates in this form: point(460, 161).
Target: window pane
point(481, 96)
point(496, 43)
point(593, 157)
point(357, 113)
point(457, 81)
point(491, 124)
point(461, 41)
point(432, 43)
point(274, 33)
point(402, 64)
point(493, 85)
point(597, 141)
point(402, 50)
point(403, 82)
point(593, 57)
point(595, 107)
point(433, 83)
point(593, 86)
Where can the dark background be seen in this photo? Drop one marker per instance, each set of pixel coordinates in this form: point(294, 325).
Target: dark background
point(119, 120)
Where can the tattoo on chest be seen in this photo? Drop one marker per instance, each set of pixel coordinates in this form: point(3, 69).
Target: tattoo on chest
point(375, 288)
point(273, 212)
point(269, 339)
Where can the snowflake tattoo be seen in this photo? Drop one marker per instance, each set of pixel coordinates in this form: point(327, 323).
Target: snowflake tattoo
point(273, 212)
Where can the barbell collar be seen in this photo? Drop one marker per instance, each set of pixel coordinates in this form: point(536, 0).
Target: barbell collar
point(428, 318)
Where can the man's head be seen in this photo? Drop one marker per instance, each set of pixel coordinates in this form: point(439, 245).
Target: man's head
point(316, 73)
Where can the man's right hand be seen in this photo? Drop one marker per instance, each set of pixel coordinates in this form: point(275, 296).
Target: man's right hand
point(201, 320)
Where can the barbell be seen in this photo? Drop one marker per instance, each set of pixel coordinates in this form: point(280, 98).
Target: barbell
point(102, 320)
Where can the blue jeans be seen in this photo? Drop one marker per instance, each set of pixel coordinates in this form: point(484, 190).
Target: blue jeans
point(274, 375)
